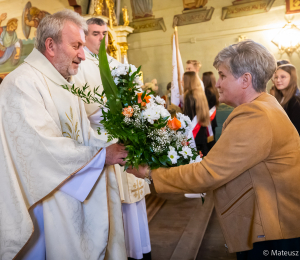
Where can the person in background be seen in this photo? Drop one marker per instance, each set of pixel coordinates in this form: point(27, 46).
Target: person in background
point(194, 65)
point(212, 96)
point(135, 222)
point(195, 105)
point(287, 92)
point(272, 89)
point(151, 86)
point(167, 96)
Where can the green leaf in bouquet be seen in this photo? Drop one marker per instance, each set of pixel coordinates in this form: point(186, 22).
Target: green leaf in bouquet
point(154, 159)
point(109, 85)
point(169, 163)
point(135, 73)
point(163, 161)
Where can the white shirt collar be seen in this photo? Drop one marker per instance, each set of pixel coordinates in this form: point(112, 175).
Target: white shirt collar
point(87, 49)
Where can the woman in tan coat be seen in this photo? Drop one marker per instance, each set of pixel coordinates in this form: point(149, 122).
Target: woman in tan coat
point(254, 168)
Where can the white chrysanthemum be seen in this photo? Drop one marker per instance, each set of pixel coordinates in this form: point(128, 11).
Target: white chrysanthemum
point(184, 120)
point(198, 159)
point(151, 114)
point(164, 112)
point(116, 80)
point(173, 156)
point(120, 70)
point(138, 81)
point(186, 151)
point(152, 99)
point(171, 148)
point(160, 100)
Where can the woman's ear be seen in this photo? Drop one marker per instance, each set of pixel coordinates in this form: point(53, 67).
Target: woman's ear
point(246, 80)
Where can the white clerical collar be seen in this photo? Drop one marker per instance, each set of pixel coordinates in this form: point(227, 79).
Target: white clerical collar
point(92, 55)
point(87, 49)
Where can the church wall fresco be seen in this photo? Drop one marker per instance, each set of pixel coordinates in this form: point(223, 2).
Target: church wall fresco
point(18, 23)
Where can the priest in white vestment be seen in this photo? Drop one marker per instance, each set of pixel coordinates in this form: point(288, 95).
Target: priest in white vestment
point(59, 198)
point(132, 190)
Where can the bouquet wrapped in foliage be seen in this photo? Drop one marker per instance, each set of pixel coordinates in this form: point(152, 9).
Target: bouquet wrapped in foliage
point(138, 119)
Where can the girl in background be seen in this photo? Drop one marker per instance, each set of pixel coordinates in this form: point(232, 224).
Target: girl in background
point(194, 65)
point(287, 92)
point(279, 62)
point(212, 96)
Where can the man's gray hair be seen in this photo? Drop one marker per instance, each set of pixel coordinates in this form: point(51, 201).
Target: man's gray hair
point(52, 25)
point(248, 56)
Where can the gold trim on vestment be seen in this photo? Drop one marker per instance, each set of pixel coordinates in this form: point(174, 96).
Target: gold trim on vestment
point(46, 83)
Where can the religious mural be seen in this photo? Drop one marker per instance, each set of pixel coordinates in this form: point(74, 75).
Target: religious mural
point(31, 17)
point(15, 48)
point(292, 6)
point(143, 19)
point(194, 11)
point(10, 45)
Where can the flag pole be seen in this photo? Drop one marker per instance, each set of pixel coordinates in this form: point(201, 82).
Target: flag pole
point(177, 56)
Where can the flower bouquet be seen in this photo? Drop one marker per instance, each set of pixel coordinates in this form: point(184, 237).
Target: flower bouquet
point(138, 119)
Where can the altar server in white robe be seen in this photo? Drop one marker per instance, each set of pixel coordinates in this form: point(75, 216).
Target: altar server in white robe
point(59, 198)
point(132, 189)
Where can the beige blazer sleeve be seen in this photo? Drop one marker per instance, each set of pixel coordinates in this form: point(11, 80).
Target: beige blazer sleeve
point(245, 141)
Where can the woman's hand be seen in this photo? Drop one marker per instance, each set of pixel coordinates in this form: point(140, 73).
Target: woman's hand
point(142, 172)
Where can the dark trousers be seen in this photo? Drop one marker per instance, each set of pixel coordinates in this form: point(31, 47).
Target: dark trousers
point(145, 257)
point(273, 249)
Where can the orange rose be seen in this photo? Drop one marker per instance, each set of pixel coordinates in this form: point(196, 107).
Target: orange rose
point(174, 124)
point(128, 111)
point(140, 99)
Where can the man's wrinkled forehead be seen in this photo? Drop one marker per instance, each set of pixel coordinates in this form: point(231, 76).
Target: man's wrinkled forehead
point(82, 35)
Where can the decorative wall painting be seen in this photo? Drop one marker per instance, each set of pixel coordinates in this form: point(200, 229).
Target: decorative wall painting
point(10, 45)
point(15, 48)
point(31, 17)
